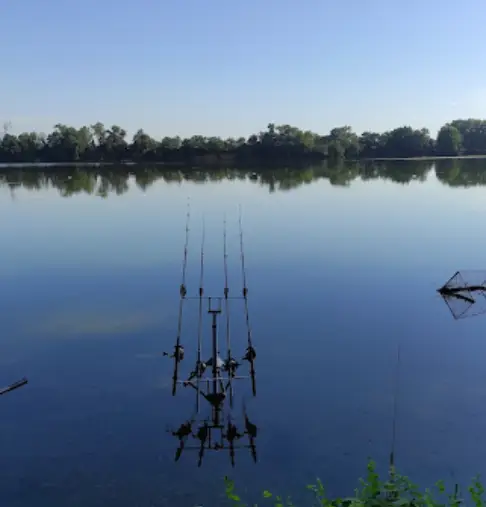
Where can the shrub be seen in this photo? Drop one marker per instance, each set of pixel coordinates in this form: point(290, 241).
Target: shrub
point(397, 490)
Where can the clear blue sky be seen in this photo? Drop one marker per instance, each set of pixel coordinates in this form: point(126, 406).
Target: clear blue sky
point(220, 67)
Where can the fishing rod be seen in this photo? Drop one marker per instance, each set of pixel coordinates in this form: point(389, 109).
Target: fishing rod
point(19, 383)
point(214, 388)
point(227, 312)
point(199, 365)
point(178, 349)
point(394, 419)
point(250, 351)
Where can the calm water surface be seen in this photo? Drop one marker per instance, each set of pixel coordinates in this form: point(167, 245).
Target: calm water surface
point(338, 276)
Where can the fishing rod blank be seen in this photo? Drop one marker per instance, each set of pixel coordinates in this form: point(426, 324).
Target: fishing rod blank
point(394, 421)
point(178, 350)
point(226, 302)
point(13, 386)
point(250, 351)
point(199, 330)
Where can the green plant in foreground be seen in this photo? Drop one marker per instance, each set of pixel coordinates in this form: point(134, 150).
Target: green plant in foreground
point(398, 490)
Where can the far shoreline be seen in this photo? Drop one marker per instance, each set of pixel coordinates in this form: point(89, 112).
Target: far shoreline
point(175, 165)
point(431, 158)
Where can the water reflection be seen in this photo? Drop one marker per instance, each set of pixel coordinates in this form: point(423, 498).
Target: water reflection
point(461, 173)
point(337, 278)
point(102, 181)
point(96, 323)
point(214, 375)
point(217, 433)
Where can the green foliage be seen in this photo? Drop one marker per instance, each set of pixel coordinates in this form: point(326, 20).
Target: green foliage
point(449, 141)
point(277, 143)
point(116, 179)
point(230, 493)
point(372, 491)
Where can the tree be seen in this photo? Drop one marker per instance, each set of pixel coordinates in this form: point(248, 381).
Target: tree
point(115, 144)
point(343, 142)
point(449, 141)
point(474, 140)
point(143, 146)
point(171, 143)
point(473, 135)
point(215, 144)
point(371, 144)
point(276, 145)
point(30, 146)
point(404, 142)
point(11, 150)
point(64, 145)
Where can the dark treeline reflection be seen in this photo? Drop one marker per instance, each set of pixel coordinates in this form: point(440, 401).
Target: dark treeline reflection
point(102, 181)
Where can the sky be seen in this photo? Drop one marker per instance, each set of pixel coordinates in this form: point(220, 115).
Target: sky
point(228, 68)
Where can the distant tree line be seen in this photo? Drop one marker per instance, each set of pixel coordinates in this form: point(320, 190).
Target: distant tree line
point(96, 143)
point(103, 181)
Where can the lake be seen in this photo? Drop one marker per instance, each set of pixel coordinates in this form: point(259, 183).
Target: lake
point(342, 265)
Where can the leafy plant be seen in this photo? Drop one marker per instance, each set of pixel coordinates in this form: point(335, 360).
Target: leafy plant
point(398, 490)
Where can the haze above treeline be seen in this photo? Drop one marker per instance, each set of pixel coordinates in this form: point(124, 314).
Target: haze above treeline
point(97, 143)
point(102, 181)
